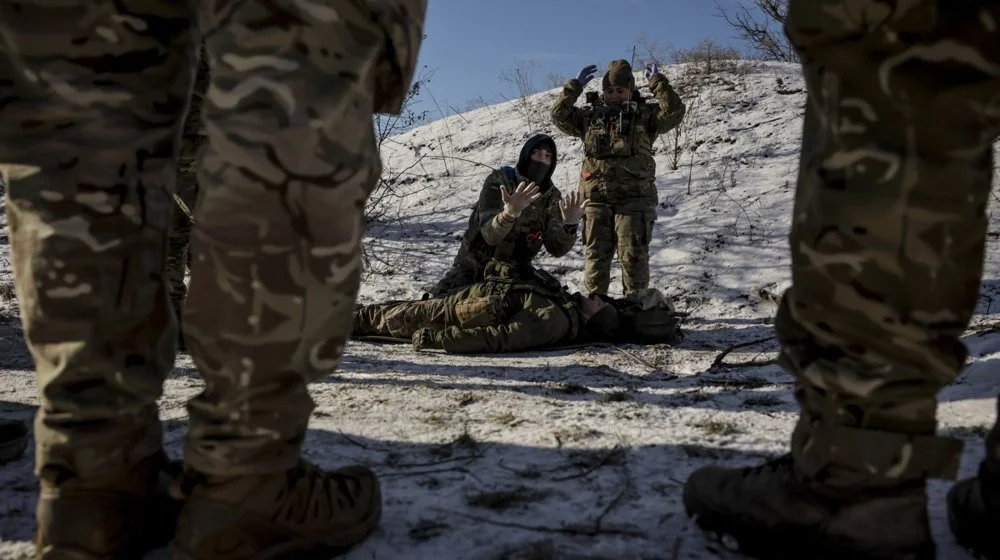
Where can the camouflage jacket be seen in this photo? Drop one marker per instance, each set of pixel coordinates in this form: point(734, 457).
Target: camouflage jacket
point(525, 313)
point(490, 234)
point(403, 24)
point(618, 163)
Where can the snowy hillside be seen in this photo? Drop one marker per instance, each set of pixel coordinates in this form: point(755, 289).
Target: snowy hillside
point(581, 453)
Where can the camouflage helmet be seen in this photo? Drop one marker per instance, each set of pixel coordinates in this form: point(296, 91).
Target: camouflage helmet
point(619, 74)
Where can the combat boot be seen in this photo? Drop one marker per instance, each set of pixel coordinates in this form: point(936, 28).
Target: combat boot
point(974, 513)
point(120, 517)
point(766, 512)
point(304, 513)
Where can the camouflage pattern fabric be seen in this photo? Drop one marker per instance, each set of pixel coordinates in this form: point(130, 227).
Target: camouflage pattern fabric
point(889, 231)
point(626, 229)
point(476, 319)
point(622, 181)
point(192, 140)
point(92, 101)
point(490, 235)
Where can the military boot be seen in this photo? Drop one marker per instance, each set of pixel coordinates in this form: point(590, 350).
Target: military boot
point(120, 517)
point(304, 513)
point(974, 513)
point(766, 512)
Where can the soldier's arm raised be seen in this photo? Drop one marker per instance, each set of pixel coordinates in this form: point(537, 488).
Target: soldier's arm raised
point(539, 323)
point(672, 108)
point(494, 223)
point(559, 237)
point(565, 114)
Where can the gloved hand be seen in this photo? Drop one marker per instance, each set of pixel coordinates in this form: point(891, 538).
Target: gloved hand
point(423, 338)
point(587, 74)
point(651, 69)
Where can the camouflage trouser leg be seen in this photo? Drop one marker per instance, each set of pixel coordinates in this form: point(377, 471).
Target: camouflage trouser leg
point(92, 103)
point(599, 243)
point(634, 231)
point(290, 161)
point(888, 232)
point(401, 319)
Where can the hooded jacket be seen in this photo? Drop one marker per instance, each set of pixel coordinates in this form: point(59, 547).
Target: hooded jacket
point(492, 234)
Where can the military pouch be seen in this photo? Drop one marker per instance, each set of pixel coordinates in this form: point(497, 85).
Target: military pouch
point(478, 312)
point(611, 133)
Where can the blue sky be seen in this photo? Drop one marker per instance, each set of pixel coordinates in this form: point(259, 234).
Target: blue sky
point(470, 42)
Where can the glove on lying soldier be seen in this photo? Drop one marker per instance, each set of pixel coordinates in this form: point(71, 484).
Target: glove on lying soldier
point(424, 338)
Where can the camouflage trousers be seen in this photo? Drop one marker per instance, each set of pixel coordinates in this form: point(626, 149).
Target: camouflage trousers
point(625, 228)
point(401, 318)
point(889, 231)
point(91, 111)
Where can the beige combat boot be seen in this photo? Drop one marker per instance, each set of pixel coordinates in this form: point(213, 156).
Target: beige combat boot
point(766, 512)
point(120, 517)
point(304, 513)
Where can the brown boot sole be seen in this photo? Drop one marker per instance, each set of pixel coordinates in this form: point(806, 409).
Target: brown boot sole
point(291, 547)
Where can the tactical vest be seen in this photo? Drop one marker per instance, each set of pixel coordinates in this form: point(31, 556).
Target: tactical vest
point(502, 278)
point(611, 131)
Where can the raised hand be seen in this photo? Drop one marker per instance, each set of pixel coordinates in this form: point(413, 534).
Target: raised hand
point(651, 69)
point(515, 202)
point(587, 74)
point(571, 207)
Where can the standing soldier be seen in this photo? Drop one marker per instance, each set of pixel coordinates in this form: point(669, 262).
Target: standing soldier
point(92, 104)
point(888, 236)
point(512, 224)
point(192, 140)
point(618, 176)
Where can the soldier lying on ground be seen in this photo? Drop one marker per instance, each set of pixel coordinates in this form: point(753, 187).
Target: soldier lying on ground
point(507, 313)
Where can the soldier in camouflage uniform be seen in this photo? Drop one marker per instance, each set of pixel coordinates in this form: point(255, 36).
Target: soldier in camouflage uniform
point(508, 312)
point(888, 239)
point(93, 97)
point(192, 140)
point(513, 224)
point(618, 175)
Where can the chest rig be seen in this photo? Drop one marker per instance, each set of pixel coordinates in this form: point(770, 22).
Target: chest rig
point(610, 131)
point(504, 279)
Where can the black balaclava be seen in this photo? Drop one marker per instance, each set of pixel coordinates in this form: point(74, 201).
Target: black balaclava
point(533, 170)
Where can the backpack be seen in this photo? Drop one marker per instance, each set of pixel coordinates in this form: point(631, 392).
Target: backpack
point(648, 317)
point(658, 325)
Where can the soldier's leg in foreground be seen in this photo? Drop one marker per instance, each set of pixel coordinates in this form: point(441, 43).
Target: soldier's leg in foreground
point(634, 231)
point(599, 247)
point(290, 160)
point(887, 243)
point(91, 102)
point(974, 503)
point(192, 140)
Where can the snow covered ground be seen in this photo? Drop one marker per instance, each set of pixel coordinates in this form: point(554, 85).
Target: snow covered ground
point(573, 453)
